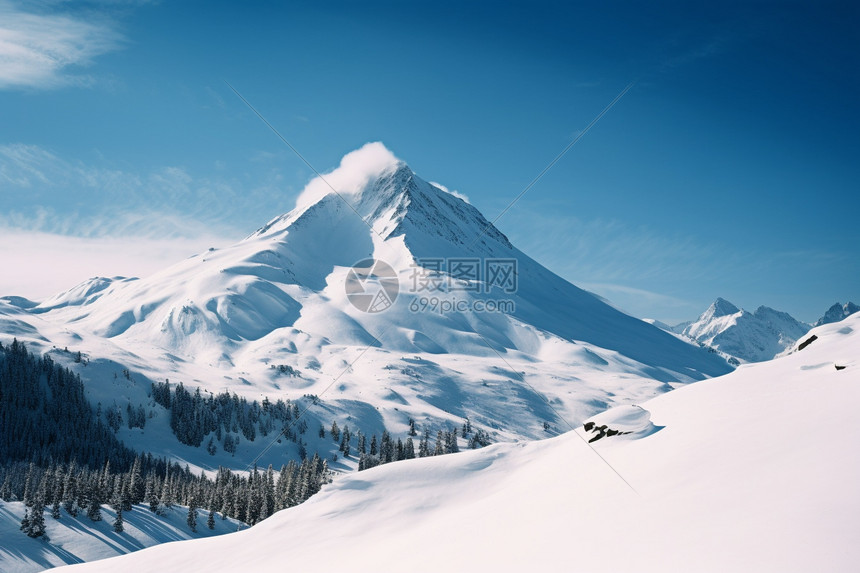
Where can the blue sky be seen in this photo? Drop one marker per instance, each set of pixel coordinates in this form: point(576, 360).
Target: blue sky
point(729, 169)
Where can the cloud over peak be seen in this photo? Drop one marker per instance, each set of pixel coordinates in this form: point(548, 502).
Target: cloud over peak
point(355, 170)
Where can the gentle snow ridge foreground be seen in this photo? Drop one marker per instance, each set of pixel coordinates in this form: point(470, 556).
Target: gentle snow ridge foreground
point(753, 471)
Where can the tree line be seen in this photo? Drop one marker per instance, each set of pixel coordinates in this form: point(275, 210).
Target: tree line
point(46, 418)
point(57, 456)
point(158, 485)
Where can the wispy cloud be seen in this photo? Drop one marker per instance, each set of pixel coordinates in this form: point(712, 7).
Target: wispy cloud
point(23, 165)
point(69, 220)
point(41, 191)
point(42, 50)
point(639, 269)
point(609, 251)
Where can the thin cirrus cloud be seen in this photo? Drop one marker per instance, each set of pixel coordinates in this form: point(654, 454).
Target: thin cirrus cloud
point(72, 197)
point(43, 51)
point(63, 221)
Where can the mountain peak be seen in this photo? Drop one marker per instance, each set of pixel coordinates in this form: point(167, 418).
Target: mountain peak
point(356, 172)
point(722, 307)
point(373, 185)
point(837, 312)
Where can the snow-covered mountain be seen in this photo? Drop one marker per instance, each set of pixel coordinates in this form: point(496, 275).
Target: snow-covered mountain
point(749, 336)
point(837, 312)
point(515, 348)
point(753, 471)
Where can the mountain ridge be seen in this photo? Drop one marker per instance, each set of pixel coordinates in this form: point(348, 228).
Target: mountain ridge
point(752, 336)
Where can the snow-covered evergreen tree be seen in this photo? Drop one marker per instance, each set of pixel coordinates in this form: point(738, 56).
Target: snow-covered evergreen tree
point(118, 526)
point(440, 444)
point(424, 445)
point(37, 517)
point(191, 518)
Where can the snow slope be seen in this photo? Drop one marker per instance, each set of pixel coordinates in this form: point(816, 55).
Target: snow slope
point(753, 471)
point(78, 539)
point(224, 319)
point(751, 337)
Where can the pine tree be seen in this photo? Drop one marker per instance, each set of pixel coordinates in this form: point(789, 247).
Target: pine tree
point(335, 431)
point(240, 502)
point(440, 444)
point(6, 488)
point(94, 509)
point(167, 498)
point(124, 493)
point(424, 445)
point(149, 494)
point(191, 519)
point(37, 517)
point(70, 490)
point(467, 428)
point(118, 522)
point(227, 500)
point(137, 486)
point(451, 446)
point(210, 521)
point(30, 485)
point(105, 482)
point(59, 479)
point(269, 492)
point(386, 448)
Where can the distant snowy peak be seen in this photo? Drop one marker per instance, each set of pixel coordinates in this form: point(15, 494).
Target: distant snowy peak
point(721, 307)
point(837, 312)
point(752, 337)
